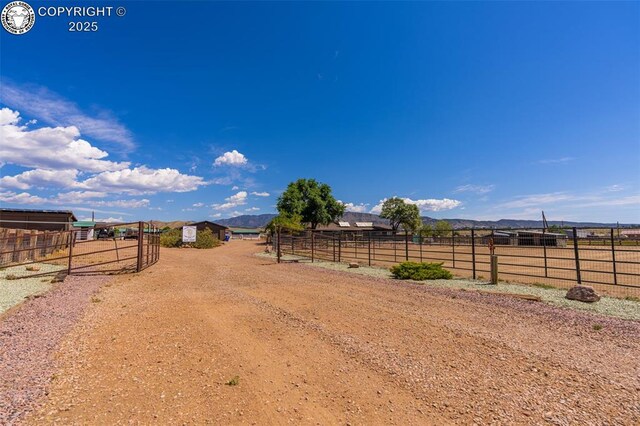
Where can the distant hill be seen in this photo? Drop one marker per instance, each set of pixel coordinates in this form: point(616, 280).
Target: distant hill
point(247, 220)
point(259, 221)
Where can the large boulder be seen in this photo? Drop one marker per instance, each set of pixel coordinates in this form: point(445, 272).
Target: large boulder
point(583, 293)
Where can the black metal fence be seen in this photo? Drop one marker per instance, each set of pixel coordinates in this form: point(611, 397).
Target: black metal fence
point(103, 249)
point(598, 257)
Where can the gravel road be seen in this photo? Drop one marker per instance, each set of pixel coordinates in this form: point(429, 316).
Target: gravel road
point(310, 345)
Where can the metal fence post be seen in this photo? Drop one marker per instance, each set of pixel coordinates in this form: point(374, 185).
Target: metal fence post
point(577, 255)
point(333, 243)
point(544, 250)
point(406, 245)
point(340, 246)
point(72, 242)
point(369, 247)
point(395, 248)
point(453, 247)
point(473, 252)
point(613, 257)
point(140, 243)
point(312, 241)
point(278, 250)
point(420, 241)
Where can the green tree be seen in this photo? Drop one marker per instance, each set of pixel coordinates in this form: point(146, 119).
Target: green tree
point(442, 228)
point(312, 201)
point(399, 212)
point(557, 229)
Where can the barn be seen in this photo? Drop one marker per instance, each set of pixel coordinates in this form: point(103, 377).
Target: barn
point(217, 230)
point(37, 220)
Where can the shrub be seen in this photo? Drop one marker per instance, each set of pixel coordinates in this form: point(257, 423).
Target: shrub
point(171, 238)
point(420, 271)
point(206, 240)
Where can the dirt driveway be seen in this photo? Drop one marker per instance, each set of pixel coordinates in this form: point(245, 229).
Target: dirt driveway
point(313, 346)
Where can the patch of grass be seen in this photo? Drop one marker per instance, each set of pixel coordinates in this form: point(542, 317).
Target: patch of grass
point(420, 271)
point(543, 285)
point(632, 298)
point(597, 327)
point(233, 382)
point(95, 299)
point(32, 268)
point(11, 277)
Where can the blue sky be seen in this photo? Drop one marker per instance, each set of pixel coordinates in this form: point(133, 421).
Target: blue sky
point(203, 110)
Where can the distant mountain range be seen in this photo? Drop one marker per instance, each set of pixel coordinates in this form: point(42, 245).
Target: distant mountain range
point(261, 220)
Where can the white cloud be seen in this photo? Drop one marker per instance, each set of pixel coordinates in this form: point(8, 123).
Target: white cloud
point(615, 188)
point(55, 110)
point(72, 198)
point(434, 205)
point(252, 209)
point(260, 194)
point(431, 204)
point(232, 158)
point(130, 204)
point(143, 180)
point(21, 198)
point(105, 220)
point(50, 148)
point(233, 201)
point(556, 160)
point(357, 208)
point(536, 200)
point(216, 215)
point(76, 197)
point(198, 205)
point(41, 178)
point(477, 189)
point(235, 187)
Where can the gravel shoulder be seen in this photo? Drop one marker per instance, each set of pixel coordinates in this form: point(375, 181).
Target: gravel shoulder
point(30, 335)
point(14, 292)
point(610, 306)
point(310, 345)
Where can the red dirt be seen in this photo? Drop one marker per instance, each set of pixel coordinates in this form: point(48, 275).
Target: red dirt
point(324, 347)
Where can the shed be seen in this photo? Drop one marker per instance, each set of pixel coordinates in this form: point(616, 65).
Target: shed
point(245, 233)
point(84, 229)
point(526, 238)
point(37, 220)
point(217, 230)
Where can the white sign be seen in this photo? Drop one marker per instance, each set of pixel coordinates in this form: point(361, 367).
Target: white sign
point(188, 234)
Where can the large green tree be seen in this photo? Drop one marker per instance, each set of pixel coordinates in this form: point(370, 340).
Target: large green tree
point(442, 228)
point(399, 212)
point(312, 201)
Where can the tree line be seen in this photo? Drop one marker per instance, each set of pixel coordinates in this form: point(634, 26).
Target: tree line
point(309, 202)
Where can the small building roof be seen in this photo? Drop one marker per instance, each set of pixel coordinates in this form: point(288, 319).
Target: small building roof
point(205, 222)
point(67, 212)
point(245, 230)
point(84, 224)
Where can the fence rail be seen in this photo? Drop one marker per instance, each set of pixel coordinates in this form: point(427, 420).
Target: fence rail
point(113, 248)
point(601, 259)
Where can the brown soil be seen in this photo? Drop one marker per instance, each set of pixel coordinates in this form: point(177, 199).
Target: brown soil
point(312, 346)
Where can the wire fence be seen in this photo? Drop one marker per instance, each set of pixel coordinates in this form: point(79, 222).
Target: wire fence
point(597, 257)
point(101, 249)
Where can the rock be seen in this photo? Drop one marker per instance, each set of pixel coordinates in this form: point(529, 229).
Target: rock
point(353, 265)
point(583, 293)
